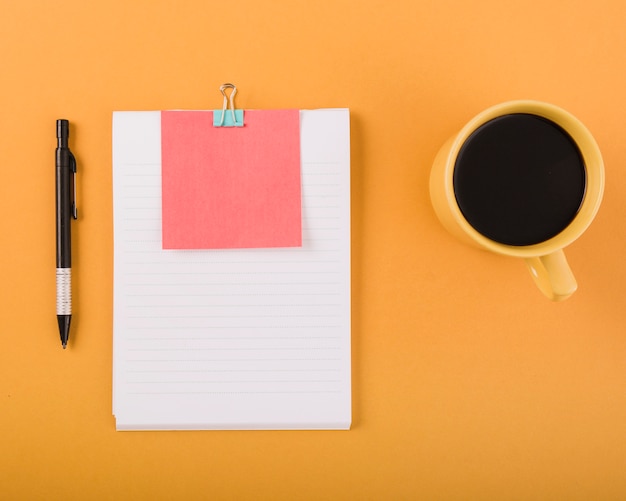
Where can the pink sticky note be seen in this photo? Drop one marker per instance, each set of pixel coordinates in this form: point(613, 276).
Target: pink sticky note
point(231, 187)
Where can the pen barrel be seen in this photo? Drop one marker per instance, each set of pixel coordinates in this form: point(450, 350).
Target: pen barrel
point(63, 208)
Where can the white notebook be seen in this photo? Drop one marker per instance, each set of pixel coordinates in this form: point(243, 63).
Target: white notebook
point(232, 339)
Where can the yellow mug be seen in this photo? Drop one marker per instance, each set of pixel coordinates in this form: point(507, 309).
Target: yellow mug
point(498, 178)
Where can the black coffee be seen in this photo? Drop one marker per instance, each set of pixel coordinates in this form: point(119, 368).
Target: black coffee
point(519, 179)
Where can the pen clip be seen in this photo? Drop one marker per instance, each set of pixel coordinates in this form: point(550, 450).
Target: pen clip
point(73, 187)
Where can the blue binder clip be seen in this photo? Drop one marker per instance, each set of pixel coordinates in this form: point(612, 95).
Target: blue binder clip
point(232, 119)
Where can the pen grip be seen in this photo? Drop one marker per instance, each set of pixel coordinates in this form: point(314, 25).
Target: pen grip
point(64, 291)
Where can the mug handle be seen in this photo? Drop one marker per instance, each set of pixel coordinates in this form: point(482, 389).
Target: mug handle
point(553, 275)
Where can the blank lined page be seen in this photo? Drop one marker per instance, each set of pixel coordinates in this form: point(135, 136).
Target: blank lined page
point(236, 338)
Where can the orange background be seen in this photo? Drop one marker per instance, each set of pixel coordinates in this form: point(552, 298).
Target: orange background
point(468, 383)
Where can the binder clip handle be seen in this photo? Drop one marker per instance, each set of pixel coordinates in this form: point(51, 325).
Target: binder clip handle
point(229, 104)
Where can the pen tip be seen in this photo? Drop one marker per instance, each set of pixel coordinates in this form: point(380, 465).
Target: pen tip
point(64, 328)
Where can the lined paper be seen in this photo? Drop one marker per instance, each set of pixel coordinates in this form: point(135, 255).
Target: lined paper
point(236, 338)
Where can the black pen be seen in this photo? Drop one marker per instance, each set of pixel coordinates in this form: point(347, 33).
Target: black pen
point(65, 211)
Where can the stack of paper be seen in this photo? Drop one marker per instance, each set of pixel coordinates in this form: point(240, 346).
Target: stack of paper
point(231, 338)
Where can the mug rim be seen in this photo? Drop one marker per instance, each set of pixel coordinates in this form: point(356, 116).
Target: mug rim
point(592, 159)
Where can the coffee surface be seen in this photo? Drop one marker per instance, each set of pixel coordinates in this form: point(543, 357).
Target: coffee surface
point(519, 179)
